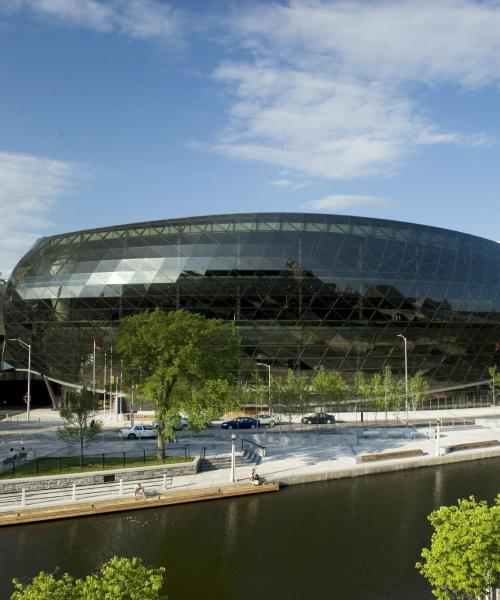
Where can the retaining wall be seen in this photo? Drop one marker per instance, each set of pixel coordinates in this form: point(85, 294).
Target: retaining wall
point(96, 477)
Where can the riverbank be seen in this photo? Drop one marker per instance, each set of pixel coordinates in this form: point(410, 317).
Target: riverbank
point(291, 458)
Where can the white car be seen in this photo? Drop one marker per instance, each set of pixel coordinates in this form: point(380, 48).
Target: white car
point(269, 420)
point(138, 431)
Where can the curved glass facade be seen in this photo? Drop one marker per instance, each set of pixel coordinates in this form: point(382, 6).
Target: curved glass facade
point(304, 289)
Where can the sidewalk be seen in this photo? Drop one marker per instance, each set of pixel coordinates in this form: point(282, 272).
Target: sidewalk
point(296, 457)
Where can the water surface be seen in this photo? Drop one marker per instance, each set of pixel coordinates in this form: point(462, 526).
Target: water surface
point(347, 539)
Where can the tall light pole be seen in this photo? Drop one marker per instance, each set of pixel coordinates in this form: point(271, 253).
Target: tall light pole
point(232, 477)
point(406, 375)
point(28, 394)
point(268, 383)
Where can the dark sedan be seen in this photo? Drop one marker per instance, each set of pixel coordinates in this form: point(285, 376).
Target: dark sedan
point(318, 419)
point(240, 423)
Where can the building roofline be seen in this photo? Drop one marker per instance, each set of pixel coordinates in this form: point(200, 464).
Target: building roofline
point(260, 217)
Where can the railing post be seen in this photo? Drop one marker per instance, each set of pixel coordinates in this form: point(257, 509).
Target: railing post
point(123, 461)
point(103, 460)
point(23, 497)
point(120, 492)
point(60, 465)
point(144, 454)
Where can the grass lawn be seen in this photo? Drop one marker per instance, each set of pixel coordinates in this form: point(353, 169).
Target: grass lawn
point(65, 465)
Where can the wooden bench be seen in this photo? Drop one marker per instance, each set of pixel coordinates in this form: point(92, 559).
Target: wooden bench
point(470, 446)
point(364, 458)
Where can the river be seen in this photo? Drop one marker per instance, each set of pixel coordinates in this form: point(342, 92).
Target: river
point(347, 539)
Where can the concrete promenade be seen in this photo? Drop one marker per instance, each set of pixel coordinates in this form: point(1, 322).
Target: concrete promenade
point(292, 455)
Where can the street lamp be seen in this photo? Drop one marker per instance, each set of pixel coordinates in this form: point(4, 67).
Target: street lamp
point(406, 375)
point(28, 395)
point(232, 477)
point(268, 383)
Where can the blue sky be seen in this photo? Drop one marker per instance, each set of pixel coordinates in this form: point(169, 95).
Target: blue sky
point(114, 111)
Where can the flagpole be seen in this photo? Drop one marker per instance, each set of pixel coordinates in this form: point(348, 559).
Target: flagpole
point(104, 395)
point(93, 371)
point(111, 382)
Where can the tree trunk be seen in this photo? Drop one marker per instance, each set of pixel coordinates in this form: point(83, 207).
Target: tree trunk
point(81, 450)
point(160, 446)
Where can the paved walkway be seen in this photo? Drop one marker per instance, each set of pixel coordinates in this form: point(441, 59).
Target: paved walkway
point(290, 455)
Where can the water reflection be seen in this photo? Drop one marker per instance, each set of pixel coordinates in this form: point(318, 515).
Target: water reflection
point(357, 538)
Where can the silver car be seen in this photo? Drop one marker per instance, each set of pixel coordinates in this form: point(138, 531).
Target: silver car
point(138, 431)
point(269, 420)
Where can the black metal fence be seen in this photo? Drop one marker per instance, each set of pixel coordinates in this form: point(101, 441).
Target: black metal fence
point(53, 465)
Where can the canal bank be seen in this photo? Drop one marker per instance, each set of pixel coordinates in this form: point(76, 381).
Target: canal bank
point(355, 539)
point(290, 459)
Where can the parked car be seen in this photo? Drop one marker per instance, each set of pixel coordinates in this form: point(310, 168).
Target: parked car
point(179, 423)
point(138, 431)
point(318, 419)
point(241, 423)
point(269, 420)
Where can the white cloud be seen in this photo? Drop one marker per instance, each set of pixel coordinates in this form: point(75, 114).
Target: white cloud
point(346, 202)
point(141, 19)
point(327, 87)
point(29, 188)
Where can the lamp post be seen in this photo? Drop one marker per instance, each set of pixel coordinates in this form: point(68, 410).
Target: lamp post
point(268, 383)
point(406, 375)
point(232, 477)
point(28, 394)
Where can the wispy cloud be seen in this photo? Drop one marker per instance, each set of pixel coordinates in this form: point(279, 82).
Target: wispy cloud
point(346, 202)
point(141, 19)
point(326, 88)
point(29, 188)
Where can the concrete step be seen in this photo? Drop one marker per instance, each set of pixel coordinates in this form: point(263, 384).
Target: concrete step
point(213, 463)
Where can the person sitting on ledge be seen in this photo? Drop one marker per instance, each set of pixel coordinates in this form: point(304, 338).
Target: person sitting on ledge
point(254, 477)
point(139, 491)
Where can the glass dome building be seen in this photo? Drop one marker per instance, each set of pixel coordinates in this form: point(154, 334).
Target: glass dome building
point(304, 290)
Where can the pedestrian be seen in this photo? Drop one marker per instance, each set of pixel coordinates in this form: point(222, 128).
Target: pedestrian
point(254, 477)
point(13, 455)
point(139, 491)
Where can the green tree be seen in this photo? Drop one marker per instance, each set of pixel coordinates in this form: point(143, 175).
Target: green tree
point(294, 392)
point(329, 383)
point(79, 414)
point(463, 562)
point(377, 392)
point(177, 353)
point(417, 386)
point(494, 383)
point(45, 587)
point(361, 386)
point(393, 389)
point(117, 579)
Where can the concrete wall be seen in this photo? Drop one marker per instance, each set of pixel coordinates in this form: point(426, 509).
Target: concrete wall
point(97, 477)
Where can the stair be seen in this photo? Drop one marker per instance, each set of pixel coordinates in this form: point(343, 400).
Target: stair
point(221, 461)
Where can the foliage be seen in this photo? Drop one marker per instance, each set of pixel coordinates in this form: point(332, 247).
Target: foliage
point(417, 386)
point(377, 390)
point(330, 383)
point(360, 386)
point(45, 587)
point(393, 389)
point(118, 579)
point(463, 561)
point(178, 353)
point(494, 383)
point(79, 412)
